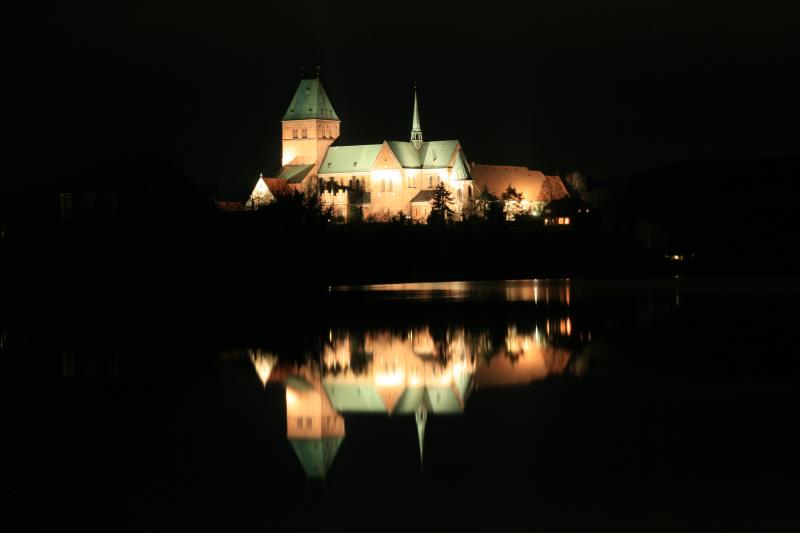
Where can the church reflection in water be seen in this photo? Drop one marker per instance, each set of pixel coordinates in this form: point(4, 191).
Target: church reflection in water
point(415, 373)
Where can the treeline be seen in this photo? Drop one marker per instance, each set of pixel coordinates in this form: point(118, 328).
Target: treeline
point(733, 216)
point(722, 218)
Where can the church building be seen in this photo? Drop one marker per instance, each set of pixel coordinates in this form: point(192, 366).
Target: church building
point(377, 181)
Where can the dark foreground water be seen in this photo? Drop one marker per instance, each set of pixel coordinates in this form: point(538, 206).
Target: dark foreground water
point(550, 405)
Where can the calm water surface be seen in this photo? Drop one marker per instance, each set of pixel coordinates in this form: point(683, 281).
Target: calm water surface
point(660, 405)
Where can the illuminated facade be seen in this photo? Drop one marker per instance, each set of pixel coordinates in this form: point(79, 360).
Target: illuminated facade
point(379, 181)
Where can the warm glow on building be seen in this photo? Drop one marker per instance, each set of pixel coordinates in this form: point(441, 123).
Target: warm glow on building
point(390, 379)
point(291, 397)
point(263, 362)
point(410, 373)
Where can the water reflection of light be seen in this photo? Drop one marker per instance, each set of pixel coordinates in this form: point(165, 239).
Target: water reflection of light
point(412, 370)
point(516, 291)
point(291, 397)
point(263, 362)
point(389, 379)
point(337, 354)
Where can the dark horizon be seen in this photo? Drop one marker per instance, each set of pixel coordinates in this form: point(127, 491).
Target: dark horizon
point(606, 90)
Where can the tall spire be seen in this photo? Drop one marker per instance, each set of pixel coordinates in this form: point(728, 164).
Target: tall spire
point(416, 128)
point(421, 416)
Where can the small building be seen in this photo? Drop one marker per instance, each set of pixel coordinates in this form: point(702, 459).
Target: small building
point(566, 212)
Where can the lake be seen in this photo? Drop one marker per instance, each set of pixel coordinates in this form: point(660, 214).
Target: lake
point(628, 405)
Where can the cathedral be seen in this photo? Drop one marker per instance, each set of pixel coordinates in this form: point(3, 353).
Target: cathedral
point(378, 180)
point(381, 181)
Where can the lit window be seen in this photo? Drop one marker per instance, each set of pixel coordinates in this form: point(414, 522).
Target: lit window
point(566, 220)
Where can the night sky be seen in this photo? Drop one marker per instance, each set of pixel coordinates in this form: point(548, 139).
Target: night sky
point(605, 87)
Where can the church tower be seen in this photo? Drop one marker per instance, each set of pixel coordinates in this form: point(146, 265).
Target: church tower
point(416, 128)
point(309, 126)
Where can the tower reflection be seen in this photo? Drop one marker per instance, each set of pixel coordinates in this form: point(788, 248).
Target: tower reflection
point(416, 373)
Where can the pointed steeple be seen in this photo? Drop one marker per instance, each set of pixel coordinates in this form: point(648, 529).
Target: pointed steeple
point(416, 128)
point(421, 416)
point(310, 102)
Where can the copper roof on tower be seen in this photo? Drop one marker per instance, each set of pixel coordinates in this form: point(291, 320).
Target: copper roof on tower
point(310, 102)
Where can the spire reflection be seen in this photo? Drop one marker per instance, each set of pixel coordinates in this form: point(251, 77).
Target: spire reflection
point(416, 373)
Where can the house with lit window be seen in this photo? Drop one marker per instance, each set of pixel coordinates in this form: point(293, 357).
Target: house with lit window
point(381, 180)
point(566, 212)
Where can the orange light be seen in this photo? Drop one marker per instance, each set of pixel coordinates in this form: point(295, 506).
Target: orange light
point(291, 397)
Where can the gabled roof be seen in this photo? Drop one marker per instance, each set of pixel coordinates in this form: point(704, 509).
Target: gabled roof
point(343, 159)
point(406, 154)
point(437, 154)
point(350, 397)
point(564, 206)
point(310, 102)
point(294, 173)
point(410, 400)
point(443, 400)
point(440, 400)
point(423, 196)
point(316, 455)
point(432, 154)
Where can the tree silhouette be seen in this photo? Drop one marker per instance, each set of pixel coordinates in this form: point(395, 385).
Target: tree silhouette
point(441, 211)
point(488, 206)
point(576, 182)
point(552, 189)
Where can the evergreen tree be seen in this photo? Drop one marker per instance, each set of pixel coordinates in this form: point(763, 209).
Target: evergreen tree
point(441, 211)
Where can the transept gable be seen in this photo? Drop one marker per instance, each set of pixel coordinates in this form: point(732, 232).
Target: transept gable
point(386, 159)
